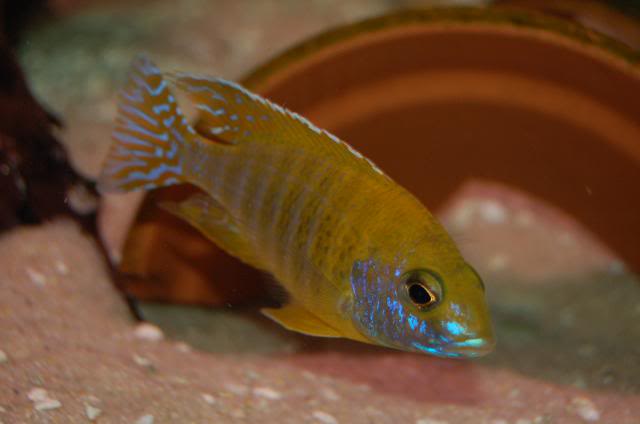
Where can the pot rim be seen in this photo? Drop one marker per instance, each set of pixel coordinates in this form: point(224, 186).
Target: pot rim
point(501, 18)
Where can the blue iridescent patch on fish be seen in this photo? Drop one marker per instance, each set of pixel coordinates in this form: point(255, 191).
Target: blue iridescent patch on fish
point(379, 310)
point(454, 328)
point(437, 351)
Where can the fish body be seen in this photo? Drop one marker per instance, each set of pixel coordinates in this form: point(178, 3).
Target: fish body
point(358, 256)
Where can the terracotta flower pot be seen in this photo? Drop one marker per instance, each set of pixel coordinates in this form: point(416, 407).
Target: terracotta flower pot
point(436, 98)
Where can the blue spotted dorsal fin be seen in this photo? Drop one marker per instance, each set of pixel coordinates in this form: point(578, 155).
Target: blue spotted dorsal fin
point(149, 136)
point(232, 113)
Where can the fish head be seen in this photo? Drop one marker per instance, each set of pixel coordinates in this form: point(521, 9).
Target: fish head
point(438, 310)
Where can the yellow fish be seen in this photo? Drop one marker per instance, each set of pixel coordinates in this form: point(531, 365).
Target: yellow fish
point(358, 256)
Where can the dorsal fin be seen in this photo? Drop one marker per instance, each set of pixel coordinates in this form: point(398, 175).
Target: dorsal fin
point(236, 115)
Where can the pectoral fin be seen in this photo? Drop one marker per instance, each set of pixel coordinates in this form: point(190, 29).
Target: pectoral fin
point(212, 220)
point(296, 318)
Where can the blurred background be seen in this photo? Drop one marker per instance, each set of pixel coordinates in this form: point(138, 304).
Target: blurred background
point(561, 271)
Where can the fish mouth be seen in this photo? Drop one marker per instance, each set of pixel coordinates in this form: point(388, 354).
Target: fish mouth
point(469, 348)
point(472, 348)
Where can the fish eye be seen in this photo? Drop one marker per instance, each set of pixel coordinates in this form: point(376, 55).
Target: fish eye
point(423, 289)
point(420, 295)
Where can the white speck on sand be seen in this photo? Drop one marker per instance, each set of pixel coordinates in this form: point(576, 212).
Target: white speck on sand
point(498, 262)
point(178, 380)
point(81, 200)
point(92, 412)
point(41, 399)
point(142, 361)
point(236, 389)
point(183, 347)
point(252, 374)
point(430, 421)
point(585, 409)
point(267, 393)
point(62, 268)
point(36, 277)
point(37, 394)
point(47, 405)
point(324, 417)
point(3, 357)
point(145, 419)
point(492, 212)
point(330, 394)
point(148, 332)
point(91, 399)
point(209, 399)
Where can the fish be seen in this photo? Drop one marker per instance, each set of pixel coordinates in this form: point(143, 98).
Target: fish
point(355, 255)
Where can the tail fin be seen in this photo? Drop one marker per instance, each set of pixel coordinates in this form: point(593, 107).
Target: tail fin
point(149, 137)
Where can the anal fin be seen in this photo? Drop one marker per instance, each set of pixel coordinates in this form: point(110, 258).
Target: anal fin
point(212, 220)
point(296, 318)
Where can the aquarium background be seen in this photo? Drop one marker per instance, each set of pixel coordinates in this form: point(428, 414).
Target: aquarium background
point(72, 346)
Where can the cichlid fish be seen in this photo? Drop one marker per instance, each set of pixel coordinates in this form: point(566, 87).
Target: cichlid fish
point(358, 256)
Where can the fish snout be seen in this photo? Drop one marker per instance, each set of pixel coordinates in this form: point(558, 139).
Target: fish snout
point(471, 347)
point(468, 340)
